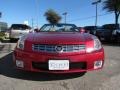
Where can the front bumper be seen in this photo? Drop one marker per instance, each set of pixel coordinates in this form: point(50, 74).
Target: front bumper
point(34, 61)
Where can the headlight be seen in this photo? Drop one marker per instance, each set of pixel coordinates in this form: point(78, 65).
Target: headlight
point(96, 45)
point(21, 42)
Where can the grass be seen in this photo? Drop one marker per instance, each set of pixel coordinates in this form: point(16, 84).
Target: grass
point(2, 36)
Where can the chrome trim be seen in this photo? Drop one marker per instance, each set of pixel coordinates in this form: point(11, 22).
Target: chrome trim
point(52, 48)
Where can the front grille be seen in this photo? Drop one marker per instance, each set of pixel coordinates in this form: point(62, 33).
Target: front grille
point(61, 48)
point(73, 65)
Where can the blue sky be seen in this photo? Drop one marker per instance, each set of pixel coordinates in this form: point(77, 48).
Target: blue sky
point(79, 11)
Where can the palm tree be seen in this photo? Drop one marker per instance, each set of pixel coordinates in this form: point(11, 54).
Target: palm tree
point(113, 6)
point(52, 17)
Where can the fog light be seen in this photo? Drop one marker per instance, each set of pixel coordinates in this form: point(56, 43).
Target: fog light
point(21, 45)
point(19, 63)
point(98, 64)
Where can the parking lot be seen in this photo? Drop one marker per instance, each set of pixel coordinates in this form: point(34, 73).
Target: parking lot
point(105, 79)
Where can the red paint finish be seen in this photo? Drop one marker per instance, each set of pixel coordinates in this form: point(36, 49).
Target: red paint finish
point(28, 56)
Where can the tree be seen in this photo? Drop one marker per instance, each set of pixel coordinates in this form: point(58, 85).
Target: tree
point(113, 6)
point(52, 17)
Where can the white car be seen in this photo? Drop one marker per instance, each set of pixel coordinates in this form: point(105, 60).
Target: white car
point(116, 35)
point(116, 31)
point(18, 30)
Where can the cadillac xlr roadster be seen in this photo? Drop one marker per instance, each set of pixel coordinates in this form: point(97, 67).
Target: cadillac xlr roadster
point(59, 48)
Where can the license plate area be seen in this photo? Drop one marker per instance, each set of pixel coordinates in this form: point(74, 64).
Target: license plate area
point(58, 64)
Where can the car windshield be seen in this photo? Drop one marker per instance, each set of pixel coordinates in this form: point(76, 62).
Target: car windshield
point(19, 27)
point(59, 28)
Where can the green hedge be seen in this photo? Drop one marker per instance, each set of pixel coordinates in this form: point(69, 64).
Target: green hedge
point(2, 34)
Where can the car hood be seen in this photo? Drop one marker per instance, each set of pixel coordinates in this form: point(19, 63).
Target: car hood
point(58, 38)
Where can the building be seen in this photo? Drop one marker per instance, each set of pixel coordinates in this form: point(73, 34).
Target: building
point(3, 26)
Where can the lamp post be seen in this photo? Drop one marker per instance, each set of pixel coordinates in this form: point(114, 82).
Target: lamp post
point(96, 3)
point(65, 15)
point(32, 23)
point(0, 14)
point(0, 17)
point(37, 12)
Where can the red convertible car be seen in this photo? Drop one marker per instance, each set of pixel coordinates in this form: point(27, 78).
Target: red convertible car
point(59, 48)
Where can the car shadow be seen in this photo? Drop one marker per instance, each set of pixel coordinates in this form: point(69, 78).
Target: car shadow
point(7, 69)
point(114, 44)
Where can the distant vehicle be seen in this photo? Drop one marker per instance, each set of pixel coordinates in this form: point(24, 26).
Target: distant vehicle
point(104, 34)
point(17, 30)
point(110, 26)
point(91, 29)
point(116, 35)
point(59, 48)
point(111, 32)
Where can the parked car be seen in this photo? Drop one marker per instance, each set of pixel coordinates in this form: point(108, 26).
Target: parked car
point(17, 30)
point(104, 34)
point(108, 32)
point(59, 48)
point(91, 29)
point(116, 35)
point(110, 26)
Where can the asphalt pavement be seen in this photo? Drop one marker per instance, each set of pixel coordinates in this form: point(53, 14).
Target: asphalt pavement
point(106, 79)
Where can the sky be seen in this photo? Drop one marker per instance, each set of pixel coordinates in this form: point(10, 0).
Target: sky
point(80, 12)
